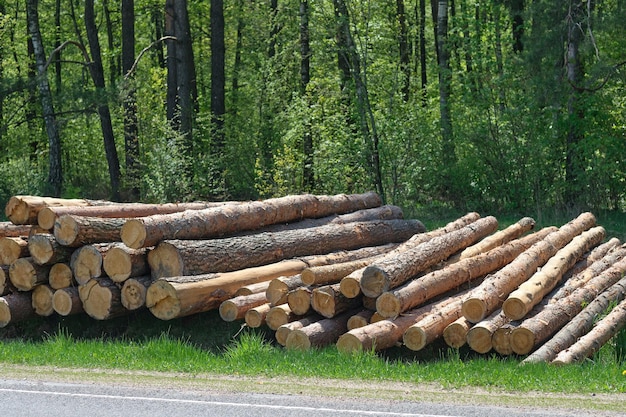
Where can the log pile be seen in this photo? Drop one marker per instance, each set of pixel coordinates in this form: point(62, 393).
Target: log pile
point(320, 270)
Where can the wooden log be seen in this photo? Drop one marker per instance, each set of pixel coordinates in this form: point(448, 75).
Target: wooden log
point(75, 231)
point(330, 274)
point(531, 292)
point(25, 274)
point(23, 209)
point(321, 333)
point(282, 333)
point(236, 307)
point(12, 248)
point(48, 215)
point(480, 336)
point(388, 273)
point(255, 317)
point(8, 229)
point(279, 315)
point(421, 289)
point(194, 257)
point(253, 288)
point(299, 300)
point(102, 299)
point(591, 342)
point(213, 222)
point(61, 276)
point(500, 237)
point(16, 307)
point(134, 292)
point(86, 261)
point(6, 287)
point(493, 291)
point(329, 302)
point(278, 289)
point(591, 257)
point(455, 333)
point(501, 339)
point(66, 301)
point(581, 324)
point(533, 331)
point(46, 250)
point(41, 298)
point(121, 262)
point(360, 319)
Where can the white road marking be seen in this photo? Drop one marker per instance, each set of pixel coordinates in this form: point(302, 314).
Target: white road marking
point(221, 403)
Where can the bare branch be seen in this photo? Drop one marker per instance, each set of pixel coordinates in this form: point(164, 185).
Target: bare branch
point(146, 49)
point(62, 46)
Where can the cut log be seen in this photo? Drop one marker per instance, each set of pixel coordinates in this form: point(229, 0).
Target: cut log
point(41, 298)
point(8, 229)
point(12, 248)
point(299, 300)
point(23, 209)
point(330, 274)
point(591, 342)
point(6, 287)
point(421, 289)
point(282, 333)
point(48, 215)
point(455, 334)
point(102, 299)
point(86, 261)
point(351, 284)
point(66, 301)
point(60, 276)
point(360, 319)
point(16, 307)
point(278, 289)
point(328, 301)
point(236, 307)
point(531, 292)
point(479, 337)
point(500, 237)
point(279, 315)
point(494, 290)
point(533, 331)
point(25, 274)
point(591, 257)
point(321, 333)
point(46, 250)
point(253, 288)
point(213, 222)
point(501, 339)
point(579, 325)
point(193, 257)
point(121, 262)
point(255, 317)
point(75, 231)
point(390, 273)
point(134, 292)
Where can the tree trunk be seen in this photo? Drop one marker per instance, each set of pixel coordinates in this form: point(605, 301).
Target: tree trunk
point(531, 292)
point(185, 73)
point(328, 301)
point(308, 172)
point(75, 231)
point(86, 261)
point(255, 317)
point(6, 287)
point(392, 272)
point(8, 229)
point(236, 307)
point(12, 248)
point(114, 58)
point(102, 299)
point(253, 288)
point(41, 298)
point(480, 336)
point(16, 307)
point(212, 222)
point(405, 49)
point(282, 333)
point(491, 293)
point(46, 250)
point(278, 289)
point(500, 237)
point(172, 86)
point(319, 334)
point(66, 301)
point(134, 292)
point(24, 209)
point(299, 300)
point(121, 262)
point(455, 333)
point(279, 315)
point(422, 48)
point(61, 276)
point(360, 319)
point(331, 274)
point(193, 257)
point(218, 82)
point(25, 274)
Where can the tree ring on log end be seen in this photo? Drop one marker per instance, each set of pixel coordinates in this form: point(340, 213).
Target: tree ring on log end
point(414, 338)
point(374, 282)
point(133, 233)
point(522, 341)
point(297, 339)
point(162, 301)
point(474, 310)
point(5, 313)
point(514, 308)
point(349, 343)
point(388, 305)
point(350, 287)
point(62, 303)
point(479, 339)
point(165, 261)
point(65, 230)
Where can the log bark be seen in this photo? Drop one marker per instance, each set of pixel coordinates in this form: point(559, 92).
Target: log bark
point(16, 307)
point(23, 209)
point(579, 325)
point(25, 274)
point(213, 222)
point(12, 248)
point(455, 334)
point(255, 317)
point(596, 254)
point(121, 262)
point(253, 288)
point(86, 262)
point(421, 289)
point(531, 292)
point(479, 337)
point(494, 290)
point(75, 231)
point(102, 299)
point(41, 298)
point(531, 332)
point(194, 257)
point(500, 237)
point(360, 319)
point(8, 229)
point(66, 301)
point(60, 276)
point(279, 315)
point(591, 342)
point(134, 292)
point(236, 307)
point(282, 333)
point(390, 273)
point(329, 302)
point(319, 334)
point(299, 300)
point(278, 289)
point(46, 250)
point(330, 274)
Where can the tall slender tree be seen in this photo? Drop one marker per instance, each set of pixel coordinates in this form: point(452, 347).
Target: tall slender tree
point(218, 86)
point(305, 77)
point(131, 131)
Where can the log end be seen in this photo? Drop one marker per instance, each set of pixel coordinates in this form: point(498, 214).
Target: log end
point(10, 249)
point(501, 341)
point(374, 281)
point(307, 276)
point(22, 274)
point(40, 249)
point(281, 334)
point(297, 339)
point(17, 210)
point(65, 230)
point(5, 312)
point(359, 320)
point(133, 295)
point(414, 338)
point(46, 218)
point(60, 276)
point(41, 298)
point(162, 300)
point(255, 317)
point(299, 301)
point(133, 233)
point(349, 343)
point(522, 341)
point(117, 264)
point(323, 302)
point(228, 311)
point(388, 305)
point(479, 339)
point(277, 316)
point(474, 309)
point(455, 335)
point(165, 261)
point(515, 308)
point(62, 303)
point(96, 300)
point(86, 264)
point(350, 287)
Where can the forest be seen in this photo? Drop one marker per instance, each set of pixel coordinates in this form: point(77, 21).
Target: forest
point(499, 105)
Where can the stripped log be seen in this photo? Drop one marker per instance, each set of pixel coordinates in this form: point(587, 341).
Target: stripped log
point(455, 333)
point(533, 331)
point(86, 261)
point(213, 222)
point(531, 292)
point(25, 274)
point(500, 237)
point(23, 209)
point(494, 290)
point(279, 315)
point(253, 288)
point(479, 337)
point(193, 257)
point(235, 308)
point(419, 290)
point(389, 273)
point(591, 342)
point(66, 301)
point(255, 317)
point(599, 252)
point(102, 299)
point(75, 231)
point(134, 292)
point(279, 288)
point(60, 276)
point(41, 298)
point(299, 300)
point(46, 250)
point(321, 333)
point(328, 301)
point(360, 319)
point(12, 248)
point(6, 286)
point(579, 325)
point(282, 333)
point(330, 274)
point(16, 307)
point(9, 229)
point(121, 262)
point(351, 284)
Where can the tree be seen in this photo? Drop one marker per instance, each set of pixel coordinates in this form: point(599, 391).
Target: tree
point(131, 131)
point(218, 81)
point(305, 77)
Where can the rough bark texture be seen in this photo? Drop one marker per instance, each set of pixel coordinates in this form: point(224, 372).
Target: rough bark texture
point(328, 301)
point(500, 237)
point(12, 248)
point(236, 307)
point(134, 292)
point(8, 229)
point(121, 262)
point(321, 333)
point(60, 276)
point(46, 250)
point(212, 222)
point(590, 258)
point(76, 231)
point(41, 298)
point(15, 307)
point(66, 301)
point(23, 209)
point(25, 274)
point(102, 299)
